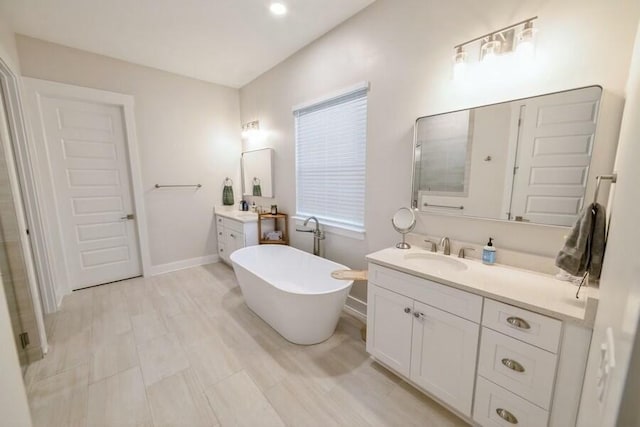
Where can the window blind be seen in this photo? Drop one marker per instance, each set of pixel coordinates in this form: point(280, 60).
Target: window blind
point(330, 159)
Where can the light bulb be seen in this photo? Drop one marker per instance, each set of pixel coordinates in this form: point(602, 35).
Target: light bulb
point(459, 64)
point(526, 48)
point(491, 50)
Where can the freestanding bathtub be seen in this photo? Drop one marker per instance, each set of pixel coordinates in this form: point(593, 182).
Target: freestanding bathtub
point(291, 290)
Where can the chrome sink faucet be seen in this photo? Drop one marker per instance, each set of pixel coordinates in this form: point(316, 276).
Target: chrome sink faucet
point(317, 233)
point(446, 246)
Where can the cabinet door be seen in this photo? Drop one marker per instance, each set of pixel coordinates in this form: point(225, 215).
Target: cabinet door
point(233, 241)
point(443, 357)
point(389, 324)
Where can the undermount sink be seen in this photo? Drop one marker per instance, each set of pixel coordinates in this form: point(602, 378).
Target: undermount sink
point(435, 262)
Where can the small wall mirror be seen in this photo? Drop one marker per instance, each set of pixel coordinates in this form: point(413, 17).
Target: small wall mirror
point(257, 173)
point(527, 160)
point(403, 222)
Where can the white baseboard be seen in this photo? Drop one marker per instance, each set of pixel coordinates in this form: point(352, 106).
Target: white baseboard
point(356, 307)
point(182, 264)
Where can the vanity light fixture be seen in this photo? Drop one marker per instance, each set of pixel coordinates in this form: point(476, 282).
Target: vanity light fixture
point(250, 129)
point(278, 8)
point(519, 36)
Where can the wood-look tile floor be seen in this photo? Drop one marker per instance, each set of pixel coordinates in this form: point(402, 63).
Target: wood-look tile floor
point(182, 349)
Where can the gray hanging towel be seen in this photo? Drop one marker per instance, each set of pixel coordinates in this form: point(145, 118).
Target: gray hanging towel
point(584, 249)
point(227, 193)
point(257, 191)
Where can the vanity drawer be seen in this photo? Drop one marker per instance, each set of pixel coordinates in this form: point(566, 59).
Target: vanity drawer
point(525, 370)
point(446, 298)
point(495, 406)
point(533, 328)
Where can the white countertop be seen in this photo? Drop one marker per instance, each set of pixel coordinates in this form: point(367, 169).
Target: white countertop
point(235, 214)
point(541, 293)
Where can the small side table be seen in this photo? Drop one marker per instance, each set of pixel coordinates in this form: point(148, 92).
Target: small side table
point(280, 223)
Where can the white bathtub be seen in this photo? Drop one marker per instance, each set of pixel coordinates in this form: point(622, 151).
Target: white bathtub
point(291, 290)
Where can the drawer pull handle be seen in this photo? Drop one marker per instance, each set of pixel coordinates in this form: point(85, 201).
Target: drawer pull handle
point(407, 310)
point(513, 365)
point(518, 322)
point(507, 416)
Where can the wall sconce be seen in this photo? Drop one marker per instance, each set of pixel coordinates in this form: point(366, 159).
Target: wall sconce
point(251, 129)
point(498, 43)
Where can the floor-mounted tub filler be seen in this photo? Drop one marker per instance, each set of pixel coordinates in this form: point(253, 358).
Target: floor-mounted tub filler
point(291, 290)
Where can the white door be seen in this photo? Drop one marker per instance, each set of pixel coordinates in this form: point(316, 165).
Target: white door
point(553, 156)
point(389, 328)
point(443, 356)
point(87, 155)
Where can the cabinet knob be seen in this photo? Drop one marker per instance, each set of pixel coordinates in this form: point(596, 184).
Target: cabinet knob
point(513, 365)
point(407, 310)
point(418, 315)
point(507, 416)
point(518, 322)
point(232, 235)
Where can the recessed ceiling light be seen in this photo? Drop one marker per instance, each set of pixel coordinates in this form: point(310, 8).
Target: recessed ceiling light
point(278, 8)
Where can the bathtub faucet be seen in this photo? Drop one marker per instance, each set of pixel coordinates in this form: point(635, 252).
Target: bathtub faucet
point(317, 233)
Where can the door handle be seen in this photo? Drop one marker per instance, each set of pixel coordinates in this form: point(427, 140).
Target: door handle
point(128, 217)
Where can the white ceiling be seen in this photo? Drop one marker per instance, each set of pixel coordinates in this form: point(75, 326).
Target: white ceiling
point(229, 42)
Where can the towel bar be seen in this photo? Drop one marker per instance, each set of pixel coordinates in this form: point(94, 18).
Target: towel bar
point(425, 204)
point(613, 178)
point(178, 185)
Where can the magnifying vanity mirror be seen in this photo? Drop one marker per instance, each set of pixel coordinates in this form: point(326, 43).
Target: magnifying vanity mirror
point(257, 175)
point(403, 222)
point(528, 160)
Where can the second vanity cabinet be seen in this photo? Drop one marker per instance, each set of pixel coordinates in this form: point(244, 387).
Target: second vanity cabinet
point(493, 363)
point(426, 332)
point(234, 235)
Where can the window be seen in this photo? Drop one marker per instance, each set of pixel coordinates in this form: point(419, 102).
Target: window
point(331, 138)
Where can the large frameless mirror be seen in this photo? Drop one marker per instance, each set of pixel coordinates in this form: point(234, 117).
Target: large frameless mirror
point(526, 160)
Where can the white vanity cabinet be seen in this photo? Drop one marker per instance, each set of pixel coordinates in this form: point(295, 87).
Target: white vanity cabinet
point(435, 349)
point(493, 363)
point(233, 235)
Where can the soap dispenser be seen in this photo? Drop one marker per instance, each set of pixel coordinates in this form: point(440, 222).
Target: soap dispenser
point(489, 253)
